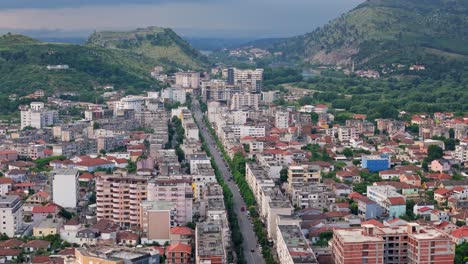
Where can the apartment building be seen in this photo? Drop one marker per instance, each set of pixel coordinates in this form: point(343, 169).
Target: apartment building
point(119, 197)
point(65, 187)
point(376, 163)
point(37, 116)
point(346, 133)
point(248, 80)
point(357, 246)
point(281, 119)
point(131, 102)
point(388, 198)
point(258, 179)
point(210, 245)
point(240, 100)
point(174, 95)
point(292, 247)
point(304, 173)
point(156, 220)
point(188, 79)
point(408, 244)
point(429, 245)
point(11, 213)
point(176, 189)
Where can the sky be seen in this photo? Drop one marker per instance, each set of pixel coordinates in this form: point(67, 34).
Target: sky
point(192, 18)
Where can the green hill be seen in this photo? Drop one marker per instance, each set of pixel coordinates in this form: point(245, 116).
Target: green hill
point(118, 58)
point(387, 31)
point(23, 67)
point(161, 44)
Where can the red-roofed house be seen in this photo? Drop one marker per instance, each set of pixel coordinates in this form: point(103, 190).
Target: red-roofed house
point(372, 222)
point(91, 165)
point(460, 234)
point(9, 254)
point(181, 234)
point(10, 155)
point(86, 177)
point(34, 245)
point(441, 195)
point(446, 226)
point(179, 253)
point(5, 185)
point(40, 212)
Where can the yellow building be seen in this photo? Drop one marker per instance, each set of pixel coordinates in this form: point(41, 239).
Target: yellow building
point(48, 226)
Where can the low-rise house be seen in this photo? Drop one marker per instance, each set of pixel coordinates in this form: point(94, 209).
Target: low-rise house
point(348, 176)
point(179, 253)
point(5, 185)
point(181, 234)
point(69, 231)
point(9, 254)
point(40, 212)
point(441, 195)
point(47, 226)
point(35, 245)
point(437, 215)
point(368, 209)
point(127, 238)
point(440, 165)
point(460, 235)
point(423, 209)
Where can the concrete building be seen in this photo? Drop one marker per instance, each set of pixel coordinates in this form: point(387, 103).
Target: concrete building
point(156, 220)
point(281, 119)
point(130, 102)
point(179, 191)
point(303, 174)
point(118, 198)
point(429, 245)
point(357, 246)
point(292, 247)
point(248, 80)
point(65, 187)
point(11, 213)
point(37, 116)
point(174, 95)
point(388, 198)
point(115, 255)
point(210, 246)
point(376, 162)
point(240, 100)
point(188, 79)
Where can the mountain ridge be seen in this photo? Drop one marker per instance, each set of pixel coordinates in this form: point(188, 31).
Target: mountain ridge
point(377, 29)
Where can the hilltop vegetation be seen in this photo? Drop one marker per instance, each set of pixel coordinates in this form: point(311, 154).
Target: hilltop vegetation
point(387, 31)
point(161, 44)
point(123, 59)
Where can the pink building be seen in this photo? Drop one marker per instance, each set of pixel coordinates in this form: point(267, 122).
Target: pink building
point(10, 155)
point(440, 165)
point(178, 191)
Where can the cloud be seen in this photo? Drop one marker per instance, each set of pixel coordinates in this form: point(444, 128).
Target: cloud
point(14, 4)
point(239, 18)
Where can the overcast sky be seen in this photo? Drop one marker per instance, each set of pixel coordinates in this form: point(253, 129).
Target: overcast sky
point(204, 18)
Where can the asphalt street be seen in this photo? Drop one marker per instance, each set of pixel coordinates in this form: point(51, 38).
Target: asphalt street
point(245, 224)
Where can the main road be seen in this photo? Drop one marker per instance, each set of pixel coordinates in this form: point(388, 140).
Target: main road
point(245, 224)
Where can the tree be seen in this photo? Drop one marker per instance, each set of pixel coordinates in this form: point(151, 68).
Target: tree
point(434, 152)
point(451, 133)
point(348, 153)
point(65, 214)
point(283, 175)
point(461, 253)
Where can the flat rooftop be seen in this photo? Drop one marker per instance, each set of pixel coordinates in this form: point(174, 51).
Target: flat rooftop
point(355, 235)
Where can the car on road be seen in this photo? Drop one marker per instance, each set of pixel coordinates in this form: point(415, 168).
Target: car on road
point(252, 250)
point(242, 208)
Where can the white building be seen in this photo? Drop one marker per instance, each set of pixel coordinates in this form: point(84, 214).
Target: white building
point(282, 119)
point(249, 80)
point(292, 247)
point(37, 116)
point(244, 99)
point(130, 102)
point(461, 152)
point(253, 131)
point(11, 213)
point(188, 79)
point(174, 94)
point(65, 187)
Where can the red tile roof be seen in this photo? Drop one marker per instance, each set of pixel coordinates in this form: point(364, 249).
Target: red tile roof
point(94, 162)
point(182, 230)
point(44, 209)
point(4, 180)
point(37, 244)
point(87, 175)
point(460, 232)
point(372, 222)
point(179, 247)
point(11, 243)
point(9, 252)
point(442, 191)
point(396, 200)
point(41, 259)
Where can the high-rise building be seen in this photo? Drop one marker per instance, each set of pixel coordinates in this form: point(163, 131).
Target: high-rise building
point(11, 213)
point(118, 198)
point(429, 245)
point(188, 79)
point(156, 220)
point(65, 187)
point(37, 116)
point(249, 80)
point(174, 95)
point(179, 191)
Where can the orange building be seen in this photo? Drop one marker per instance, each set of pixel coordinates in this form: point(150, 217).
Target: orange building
point(429, 246)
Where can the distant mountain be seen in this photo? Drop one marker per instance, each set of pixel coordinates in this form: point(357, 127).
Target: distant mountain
point(24, 61)
point(123, 59)
point(387, 31)
point(161, 44)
